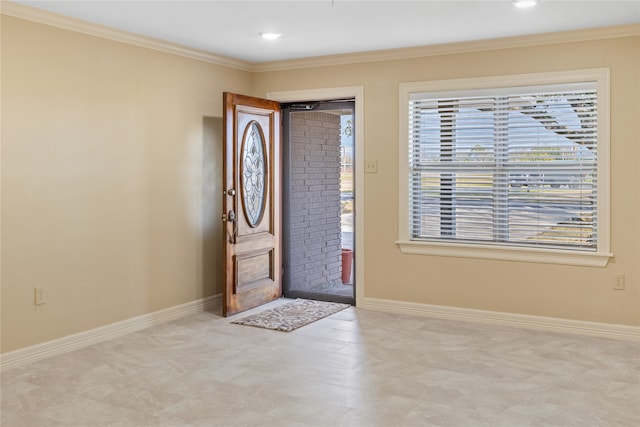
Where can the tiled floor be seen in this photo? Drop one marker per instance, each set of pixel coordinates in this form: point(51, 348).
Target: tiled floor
point(355, 368)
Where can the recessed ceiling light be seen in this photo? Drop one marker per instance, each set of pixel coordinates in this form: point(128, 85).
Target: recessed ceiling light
point(270, 36)
point(523, 4)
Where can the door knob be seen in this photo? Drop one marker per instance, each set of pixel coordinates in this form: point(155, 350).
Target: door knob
point(231, 192)
point(231, 217)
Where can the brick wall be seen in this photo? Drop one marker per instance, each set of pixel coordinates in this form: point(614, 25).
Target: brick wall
point(315, 200)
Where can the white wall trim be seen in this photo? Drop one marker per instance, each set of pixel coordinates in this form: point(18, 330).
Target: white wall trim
point(550, 324)
point(452, 48)
point(48, 18)
point(23, 356)
point(59, 21)
point(357, 92)
point(505, 253)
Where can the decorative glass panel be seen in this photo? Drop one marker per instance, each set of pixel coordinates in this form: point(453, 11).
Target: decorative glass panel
point(254, 174)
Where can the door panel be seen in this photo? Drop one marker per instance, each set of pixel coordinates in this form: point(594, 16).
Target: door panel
point(252, 211)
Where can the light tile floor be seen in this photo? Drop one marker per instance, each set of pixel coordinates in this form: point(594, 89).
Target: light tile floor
point(354, 368)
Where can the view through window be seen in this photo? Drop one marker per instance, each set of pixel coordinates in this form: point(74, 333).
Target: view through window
point(515, 166)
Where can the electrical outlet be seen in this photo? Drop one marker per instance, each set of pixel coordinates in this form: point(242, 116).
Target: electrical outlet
point(618, 282)
point(371, 166)
point(40, 296)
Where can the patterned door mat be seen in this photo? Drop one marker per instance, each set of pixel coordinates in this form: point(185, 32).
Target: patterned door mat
point(292, 315)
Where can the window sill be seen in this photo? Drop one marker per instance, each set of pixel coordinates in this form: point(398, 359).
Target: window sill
point(544, 256)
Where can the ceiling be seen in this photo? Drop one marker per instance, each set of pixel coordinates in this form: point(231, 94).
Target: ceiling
point(317, 28)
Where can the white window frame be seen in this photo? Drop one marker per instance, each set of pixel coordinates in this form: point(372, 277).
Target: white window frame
point(511, 253)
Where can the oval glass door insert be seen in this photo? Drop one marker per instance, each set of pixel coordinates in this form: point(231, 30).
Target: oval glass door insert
point(253, 169)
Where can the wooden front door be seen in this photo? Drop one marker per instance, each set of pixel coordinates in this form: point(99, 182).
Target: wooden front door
point(252, 212)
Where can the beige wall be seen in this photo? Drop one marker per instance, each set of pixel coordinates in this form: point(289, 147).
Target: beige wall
point(110, 162)
point(527, 288)
point(110, 183)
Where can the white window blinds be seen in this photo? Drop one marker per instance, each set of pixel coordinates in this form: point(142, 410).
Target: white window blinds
point(510, 166)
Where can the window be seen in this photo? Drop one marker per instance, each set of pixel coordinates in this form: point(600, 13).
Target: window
point(510, 168)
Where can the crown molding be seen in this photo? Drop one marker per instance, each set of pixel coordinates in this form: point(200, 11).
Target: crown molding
point(452, 48)
point(48, 18)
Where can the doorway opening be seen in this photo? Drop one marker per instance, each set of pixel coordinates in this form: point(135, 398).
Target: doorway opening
point(318, 200)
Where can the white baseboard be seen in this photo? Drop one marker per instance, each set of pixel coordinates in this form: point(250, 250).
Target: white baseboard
point(63, 345)
point(23, 356)
point(605, 330)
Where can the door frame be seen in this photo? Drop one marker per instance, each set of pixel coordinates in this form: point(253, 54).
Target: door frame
point(326, 94)
point(289, 291)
